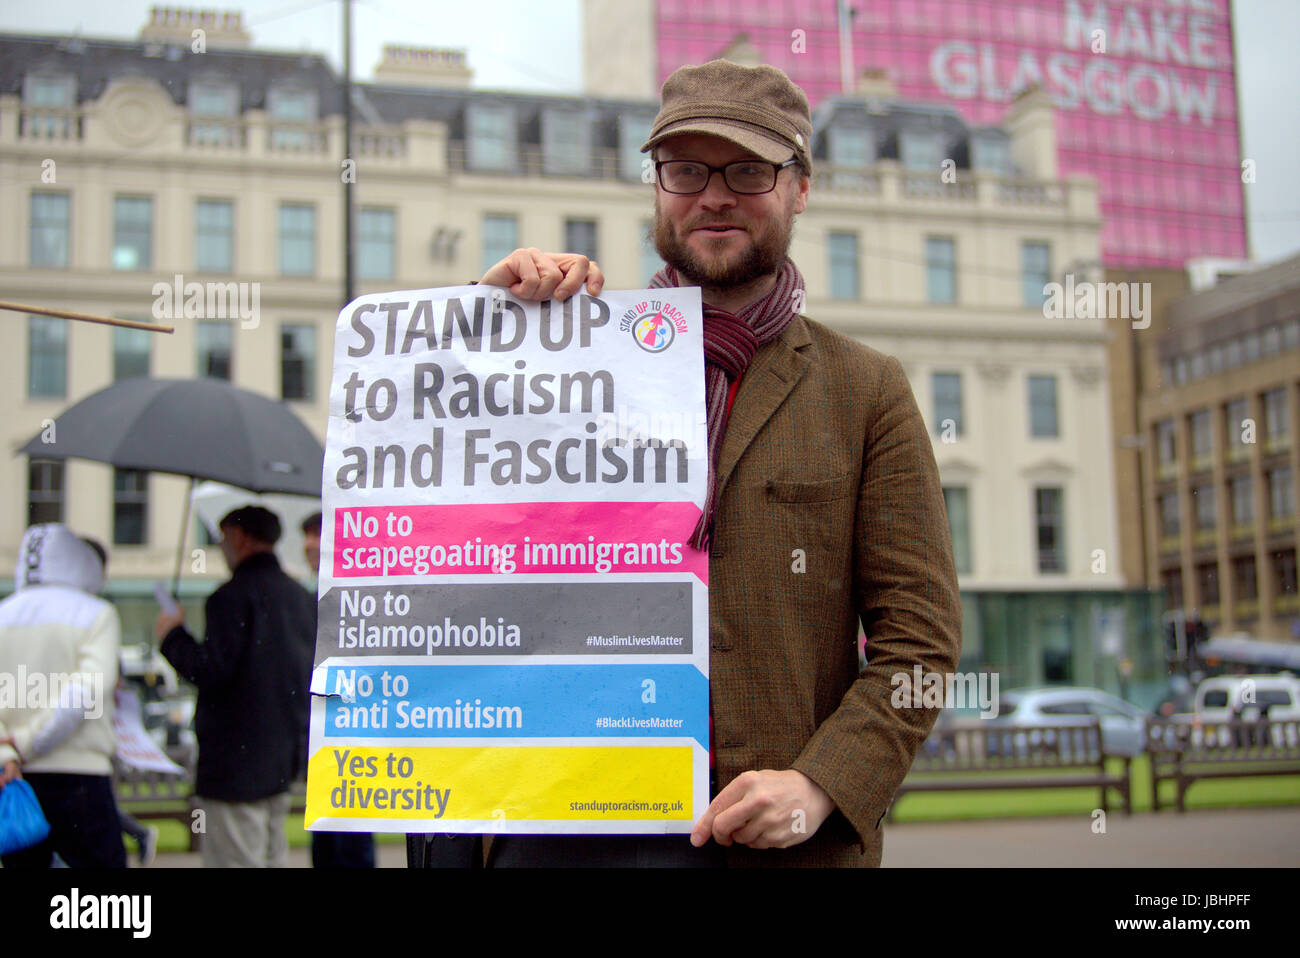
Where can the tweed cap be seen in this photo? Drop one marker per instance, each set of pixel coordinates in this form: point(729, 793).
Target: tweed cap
point(757, 108)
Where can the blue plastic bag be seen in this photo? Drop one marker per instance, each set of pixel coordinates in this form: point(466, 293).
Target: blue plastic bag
point(22, 823)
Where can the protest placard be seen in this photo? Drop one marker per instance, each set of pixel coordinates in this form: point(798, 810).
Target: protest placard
point(513, 626)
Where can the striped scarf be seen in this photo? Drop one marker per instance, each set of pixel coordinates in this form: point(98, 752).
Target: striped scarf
point(730, 341)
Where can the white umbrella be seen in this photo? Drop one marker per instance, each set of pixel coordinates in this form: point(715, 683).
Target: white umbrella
point(212, 500)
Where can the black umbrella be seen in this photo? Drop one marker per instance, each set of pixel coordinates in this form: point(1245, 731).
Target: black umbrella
point(200, 428)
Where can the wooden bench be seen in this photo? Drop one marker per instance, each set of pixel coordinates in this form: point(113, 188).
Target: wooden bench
point(1185, 752)
point(974, 757)
point(157, 795)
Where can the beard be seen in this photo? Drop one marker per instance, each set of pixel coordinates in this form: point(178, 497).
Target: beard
point(762, 256)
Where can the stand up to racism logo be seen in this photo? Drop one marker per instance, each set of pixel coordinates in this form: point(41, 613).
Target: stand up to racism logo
point(653, 324)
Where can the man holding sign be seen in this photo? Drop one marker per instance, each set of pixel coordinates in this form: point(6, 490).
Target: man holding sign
point(823, 505)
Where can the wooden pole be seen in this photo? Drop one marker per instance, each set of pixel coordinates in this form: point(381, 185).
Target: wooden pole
point(86, 317)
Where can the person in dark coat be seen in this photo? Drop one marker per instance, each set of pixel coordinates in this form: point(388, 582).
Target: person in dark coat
point(252, 673)
point(332, 849)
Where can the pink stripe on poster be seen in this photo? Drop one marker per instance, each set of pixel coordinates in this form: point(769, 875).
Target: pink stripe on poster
point(519, 538)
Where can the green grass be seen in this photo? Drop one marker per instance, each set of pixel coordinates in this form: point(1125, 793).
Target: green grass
point(1017, 803)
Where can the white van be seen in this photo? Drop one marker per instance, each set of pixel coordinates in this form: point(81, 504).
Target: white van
point(1249, 698)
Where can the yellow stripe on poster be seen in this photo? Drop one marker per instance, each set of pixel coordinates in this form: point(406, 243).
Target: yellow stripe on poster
point(519, 783)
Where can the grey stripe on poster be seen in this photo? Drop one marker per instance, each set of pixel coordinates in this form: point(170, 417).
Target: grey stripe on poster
point(545, 618)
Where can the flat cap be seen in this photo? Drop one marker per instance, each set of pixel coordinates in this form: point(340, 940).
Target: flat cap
point(757, 108)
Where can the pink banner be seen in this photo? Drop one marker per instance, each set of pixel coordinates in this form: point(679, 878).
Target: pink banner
point(522, 538)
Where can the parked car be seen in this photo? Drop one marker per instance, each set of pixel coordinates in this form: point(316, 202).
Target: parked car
point(1246, 698)
point(1123, 726)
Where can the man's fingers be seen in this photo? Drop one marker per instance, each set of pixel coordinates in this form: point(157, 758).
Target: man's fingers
point(595, 279)
point(523, 279)
point(575, 271)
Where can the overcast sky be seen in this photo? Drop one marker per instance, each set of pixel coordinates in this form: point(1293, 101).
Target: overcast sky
point(536, 45)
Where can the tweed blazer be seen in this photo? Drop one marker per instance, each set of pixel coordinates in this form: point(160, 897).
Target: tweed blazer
point(830, 513)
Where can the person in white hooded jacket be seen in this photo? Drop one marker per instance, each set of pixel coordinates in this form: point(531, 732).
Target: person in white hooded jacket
point(59, 645)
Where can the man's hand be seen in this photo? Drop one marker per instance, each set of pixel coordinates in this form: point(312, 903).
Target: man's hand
point(534, 275)
point(165, 622)
point(9, 773)
point(765, 810)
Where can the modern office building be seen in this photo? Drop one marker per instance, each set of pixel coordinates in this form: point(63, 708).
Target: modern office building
point(127, 164)
point(1221, 460)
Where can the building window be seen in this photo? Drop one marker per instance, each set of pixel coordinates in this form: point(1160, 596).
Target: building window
point(213, 109)
point(49, 103)
point(297, 361)
point(48, 239)
point(1043, 419)
point(564, 143)
point(632, 132)
point(44, 492)
point(849, 149)
point(130, 507)
point(1167, 446)
point(293, 114)
point(1284, 573)
point(850, 146)
point(940, 269)
point(1207, 583)
point(1235, 414)
point(1170, 521)
point(214, 349)
point(47, 357)
point(1206, 511)
point(500, 238)
point(991, 154)
point(132, 232)
point(1049, 513)
point(1275, 417)
point(1281, 502)
point(1202, 442)
point(843, 250)
point(650, 261)
point(580, 237)
point(947, 404)
point(491, 134)
point(297, 239)
point(377, 254)
point(957, 501)
point(919, 150)
point(1172, 580)
point(131, 349)
point(1243, 500)
point(214, 236)
point(1035, 272)
point(1245, 587)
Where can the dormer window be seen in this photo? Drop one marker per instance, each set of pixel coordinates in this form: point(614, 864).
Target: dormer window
point(919, 150)
point(293, 115)
point(490, 132)
point(214, 112)
point(990, 153)
point(48, 103)
point(565, 144)
point(632, 132)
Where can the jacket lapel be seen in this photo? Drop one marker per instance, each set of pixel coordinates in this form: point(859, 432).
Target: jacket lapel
point(772, 375)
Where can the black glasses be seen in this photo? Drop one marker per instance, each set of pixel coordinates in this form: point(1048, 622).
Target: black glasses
point(748, 177)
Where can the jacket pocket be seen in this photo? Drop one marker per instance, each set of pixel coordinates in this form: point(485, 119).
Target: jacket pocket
point(821, 490)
